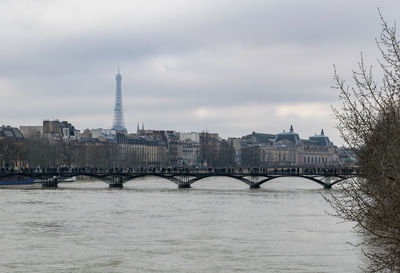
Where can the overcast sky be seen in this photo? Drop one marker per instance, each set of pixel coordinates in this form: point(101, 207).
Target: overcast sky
point(230, 67)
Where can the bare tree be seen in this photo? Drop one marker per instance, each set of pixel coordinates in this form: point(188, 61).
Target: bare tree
point(369, 123)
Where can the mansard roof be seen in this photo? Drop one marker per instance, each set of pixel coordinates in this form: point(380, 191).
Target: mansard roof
point(320, 140)
point(261, 138)
point(139, 140)
point(290, 136)
point(11, 132)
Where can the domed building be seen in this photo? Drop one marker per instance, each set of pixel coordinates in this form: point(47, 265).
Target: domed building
point(318, 151)
point(287, 149)
point(286, 146)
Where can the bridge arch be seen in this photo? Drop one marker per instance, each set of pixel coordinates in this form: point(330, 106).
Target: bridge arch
point(310, 178)
point(313, 179)
point(235, 177)
point(176, 178)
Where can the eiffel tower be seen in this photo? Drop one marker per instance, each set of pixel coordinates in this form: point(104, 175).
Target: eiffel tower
point(118, 122)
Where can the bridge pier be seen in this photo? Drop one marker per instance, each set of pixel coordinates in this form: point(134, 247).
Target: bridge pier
point(117, 183)
point(53, 183)
point(327, 183)
point(254, 186)
point(184, 186)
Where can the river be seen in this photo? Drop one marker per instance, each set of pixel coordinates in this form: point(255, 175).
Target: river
point(219, 225)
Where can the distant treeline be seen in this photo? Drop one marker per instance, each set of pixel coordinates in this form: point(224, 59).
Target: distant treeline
point(40, 152)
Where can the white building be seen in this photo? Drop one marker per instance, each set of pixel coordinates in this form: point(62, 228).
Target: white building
point(193, 136)
point(104, 134)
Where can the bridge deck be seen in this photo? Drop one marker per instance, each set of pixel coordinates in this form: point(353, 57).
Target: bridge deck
point(184, 179)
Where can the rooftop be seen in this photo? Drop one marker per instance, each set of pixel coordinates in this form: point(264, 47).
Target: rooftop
point(11, 132)
point(290, 136)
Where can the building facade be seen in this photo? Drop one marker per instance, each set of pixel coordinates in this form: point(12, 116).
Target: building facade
point(60, 130)
point(288, 149)
point(11, 148)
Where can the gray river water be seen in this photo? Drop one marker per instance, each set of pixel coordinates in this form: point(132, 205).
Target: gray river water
point(219, 225)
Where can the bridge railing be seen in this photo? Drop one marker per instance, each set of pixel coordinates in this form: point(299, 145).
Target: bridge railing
point(185, 171)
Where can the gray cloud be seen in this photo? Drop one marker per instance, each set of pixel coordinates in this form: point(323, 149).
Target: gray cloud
point(58, 60)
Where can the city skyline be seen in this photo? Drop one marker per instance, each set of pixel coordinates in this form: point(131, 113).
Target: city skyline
point(182, 136)
point(232, 69)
